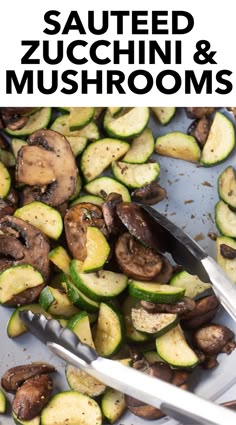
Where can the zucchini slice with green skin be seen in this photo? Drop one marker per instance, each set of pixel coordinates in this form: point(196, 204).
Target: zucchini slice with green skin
point(99, 155)
point(114, 110)
point(153, 323)
point(15, 326)
point(78, 187)
point(173, 348)
point(80, 325)
point(7, 158)
point(113, 405)
point(47, 219)
point(155, 292)
point(130, 332)
point(77, 144)
point(97, 248)
point(178, 145)
point(34, 421)
point(107, 185)
point(225, 219)
point(78, 298)
point(228, 265)
point(192, 284)
point(135, 175)
point(141, 148)
point(98, 286)
point(72, 408)
point(164, 114)
point(5, 181)
point(129, 125)
point(3, 402)
point(36, 121)
point(16, 144)
point(220, 141)
point(92, 199)
point(17, 279)
point(110, 331)
point(227, 186)
point(60, 258)
point(152, 357)
point(80, 117)
point(61, 124)
point(83, 382)
point(56, 303)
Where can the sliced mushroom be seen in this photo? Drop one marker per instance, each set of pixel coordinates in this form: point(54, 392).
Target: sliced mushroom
point(15, 118)
point(199, 129)
point(32, 396)
point(150, 194)
point(199, 112)
point(186, 304)
point(214, 339)
point(110, 216)
point(34, 248)
point(135, 260)
point(204, 311)
point(227, 251)
point(3, 142)
point(14, 377)
point(15, 123)
point(166, 272)
point(139, 408)
point(76, 221)
point(48, 163)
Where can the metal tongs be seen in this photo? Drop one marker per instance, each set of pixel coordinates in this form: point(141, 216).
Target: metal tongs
point(173, 401)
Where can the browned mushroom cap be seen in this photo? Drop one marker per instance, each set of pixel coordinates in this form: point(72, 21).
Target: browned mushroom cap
point(199, 129)
point(32, 396)
point(204, 311)
point(139, 408)
point(48, 163)
point(214, 339)
point(76, 221)
point(166, 272)
point(135, 260)
point(110, 216)
point(3, 142)
point(227, 251)
point(186, 304)
point(22, 243)
point(150, 194)
point(14, 377)
point(13, 111)
point(198, 112)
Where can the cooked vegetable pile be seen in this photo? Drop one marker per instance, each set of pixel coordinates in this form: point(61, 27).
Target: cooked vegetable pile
point(75, 245)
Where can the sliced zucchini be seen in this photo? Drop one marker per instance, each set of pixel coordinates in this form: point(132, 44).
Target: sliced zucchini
point(3, 402)
point(92, 199)
point(114, 110)
point(99, 155)
point(155, 292)
point(15, 326)
point(192, 284)
point(227, 264)
point(141, 148)
point(178, 145)
point(131, 333)
point(47, 219)
point(164, 114)
point(129, 125)
point(61, 124)
point(7, 158)
point(225, 219)
point(16, 144)
point(36, 121)
point(34, 421)
point(77, 143)
point(5, 181)
point(80, 325)
point(84, 383)
point(56, 303)
point(60, 258)
point(80, 117)
point(97, 248)
point(78, 298)
point(135, 175)
point(220, 141)
point(107, 185)
point(227, 186)
point(17, 279)
point(110, 332)
point(152, 357)
point(78, 187)
point(71, 408)
point(98, 112)
point(98, 286)
point(113, 405)
point(173, 348)
point(153, 323)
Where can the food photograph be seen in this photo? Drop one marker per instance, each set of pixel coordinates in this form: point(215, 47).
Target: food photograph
point(117, 265)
